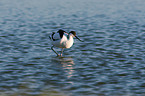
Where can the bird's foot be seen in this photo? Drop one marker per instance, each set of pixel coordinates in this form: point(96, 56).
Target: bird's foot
point(60, 55)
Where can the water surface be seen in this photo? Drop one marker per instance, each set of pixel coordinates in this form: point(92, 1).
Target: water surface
point(110, 61)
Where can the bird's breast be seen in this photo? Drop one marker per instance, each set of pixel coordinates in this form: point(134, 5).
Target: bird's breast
point(68, 43)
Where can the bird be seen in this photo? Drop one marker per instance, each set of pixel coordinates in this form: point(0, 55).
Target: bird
point(62, 40)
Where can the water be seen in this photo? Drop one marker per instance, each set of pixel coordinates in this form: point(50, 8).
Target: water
point(109, 63)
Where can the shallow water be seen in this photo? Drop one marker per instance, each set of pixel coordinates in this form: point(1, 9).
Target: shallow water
point(110, 61)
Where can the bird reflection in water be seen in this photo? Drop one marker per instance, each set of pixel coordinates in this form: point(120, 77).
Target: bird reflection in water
point(68, 65)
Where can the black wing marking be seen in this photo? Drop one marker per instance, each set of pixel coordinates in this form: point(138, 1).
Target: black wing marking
point(53, 37)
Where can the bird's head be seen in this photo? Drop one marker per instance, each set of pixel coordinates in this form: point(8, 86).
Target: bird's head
point(74, 35)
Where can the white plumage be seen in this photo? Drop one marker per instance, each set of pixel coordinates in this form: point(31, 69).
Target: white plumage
point(62, 39)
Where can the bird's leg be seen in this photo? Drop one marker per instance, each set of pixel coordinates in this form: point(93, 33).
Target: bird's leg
point(54, 51)
point(61, 52)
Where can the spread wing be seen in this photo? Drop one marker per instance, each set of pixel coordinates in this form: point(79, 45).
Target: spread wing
point(55, 36)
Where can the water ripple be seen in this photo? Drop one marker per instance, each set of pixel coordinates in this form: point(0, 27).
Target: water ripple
point(110, 61)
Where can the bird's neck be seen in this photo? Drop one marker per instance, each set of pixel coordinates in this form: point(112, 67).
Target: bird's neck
point(70, 37)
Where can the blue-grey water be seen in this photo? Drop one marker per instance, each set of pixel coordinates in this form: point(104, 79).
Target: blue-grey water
point(110, 61)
